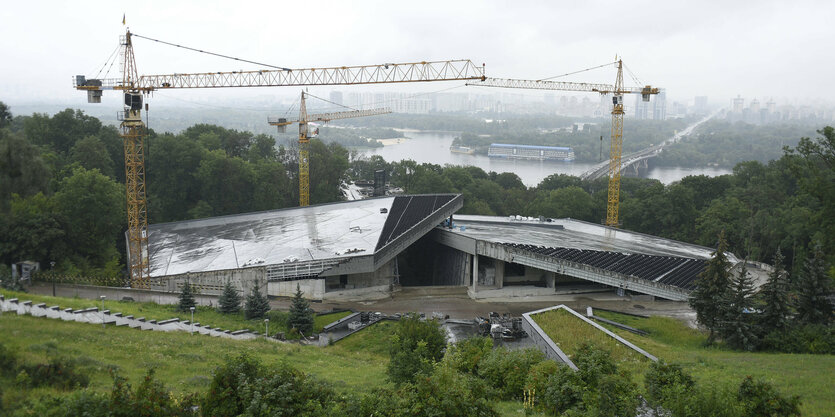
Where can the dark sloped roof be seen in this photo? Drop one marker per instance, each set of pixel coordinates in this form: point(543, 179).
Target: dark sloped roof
point(670, 270)
point(407, 211)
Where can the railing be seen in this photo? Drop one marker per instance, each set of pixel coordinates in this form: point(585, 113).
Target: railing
point(101, 281)
point(297, 270)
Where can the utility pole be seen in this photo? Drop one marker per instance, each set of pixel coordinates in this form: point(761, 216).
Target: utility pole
point(102, 310)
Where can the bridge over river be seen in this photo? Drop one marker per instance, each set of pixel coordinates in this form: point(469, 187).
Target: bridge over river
point(640, 157)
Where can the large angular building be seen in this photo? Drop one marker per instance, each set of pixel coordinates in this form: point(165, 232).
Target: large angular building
point(366, 249)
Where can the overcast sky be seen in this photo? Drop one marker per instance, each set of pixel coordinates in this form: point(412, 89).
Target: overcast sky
point(763, 49)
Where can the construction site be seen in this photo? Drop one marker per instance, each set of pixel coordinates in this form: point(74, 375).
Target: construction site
point(369, 249)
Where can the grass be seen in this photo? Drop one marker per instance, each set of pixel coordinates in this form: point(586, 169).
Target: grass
point(809, 376)
point(153, 311)
point(183, 362)
point(357, 363)
point(569, 333)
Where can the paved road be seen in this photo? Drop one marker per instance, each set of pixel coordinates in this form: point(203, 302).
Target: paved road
point(602, 169)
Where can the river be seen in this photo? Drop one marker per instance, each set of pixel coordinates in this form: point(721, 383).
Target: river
point(433, 147)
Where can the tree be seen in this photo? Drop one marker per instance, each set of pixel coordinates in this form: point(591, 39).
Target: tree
point(186, 298)
point(5, 115)
point(570, 201)
point(815, 172)
point(301, 315)
point(737, 326)
point(775, 298)
point(91, 153)
point(91, 208)
point(230, 299)
point(22, 170)
point(256, 305)
point(416, 346)
point(31, 231)
point(814, 288)
point(227, 183)
point(711, 289)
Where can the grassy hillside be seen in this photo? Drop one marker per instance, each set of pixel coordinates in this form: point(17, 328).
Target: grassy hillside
point(809, 376)
point(183, 362)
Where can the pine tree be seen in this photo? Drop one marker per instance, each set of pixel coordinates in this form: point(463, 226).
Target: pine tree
point(814, 286)
point(775, 297)
point(230, 300)
point(711, 289)
point(186, 298)
point(301, 315)
point(256, 305)
point(737, 325)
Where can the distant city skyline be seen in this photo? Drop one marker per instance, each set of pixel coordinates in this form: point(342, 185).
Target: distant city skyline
point(711, 48)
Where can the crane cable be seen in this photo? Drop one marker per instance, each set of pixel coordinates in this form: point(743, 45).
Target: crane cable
point(634, 77)
point(211, 53)
point(111, 59)
point(577, 72)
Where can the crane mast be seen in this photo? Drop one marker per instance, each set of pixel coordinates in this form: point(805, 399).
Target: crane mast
point(616, 147)
point(615, 152)
point(133, 134)
point(304, 138)
point(136, 86)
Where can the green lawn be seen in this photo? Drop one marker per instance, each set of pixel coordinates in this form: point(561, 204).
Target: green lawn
point(810, 376)
point(357, 363)
point(183, 362)
point(152, 311)
point(569, 333)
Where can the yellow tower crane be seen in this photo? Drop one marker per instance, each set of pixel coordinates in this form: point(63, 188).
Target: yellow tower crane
point(135, 86)
point(305, 135)
point(616, 146)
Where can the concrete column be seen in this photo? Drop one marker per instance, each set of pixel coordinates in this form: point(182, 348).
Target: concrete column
point(499, 273)
point(550, 279)
point(475, 272)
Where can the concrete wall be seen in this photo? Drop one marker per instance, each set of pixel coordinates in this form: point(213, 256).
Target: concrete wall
point(212, 282)
point(451, 267)
point(313, 289)
point(543, 342)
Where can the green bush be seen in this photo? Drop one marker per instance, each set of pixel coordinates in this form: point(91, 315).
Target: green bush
point(562, 391)
point(442, 392)
point(59, 373)
point(812, 338)
point(506, 371)
point(539, 374)
point(242, 386)
point(661, 376)
point(593, 364)
point(465, 355)
point(8, 360)
point(761, 399)
point(701, 402)
point(416, 346)
point(617, 396)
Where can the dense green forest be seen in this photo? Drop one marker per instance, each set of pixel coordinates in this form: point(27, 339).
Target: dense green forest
point(62, 192)
point(725, 144)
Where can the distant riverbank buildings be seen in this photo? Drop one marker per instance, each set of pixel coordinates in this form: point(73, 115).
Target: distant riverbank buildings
point(758, 112)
